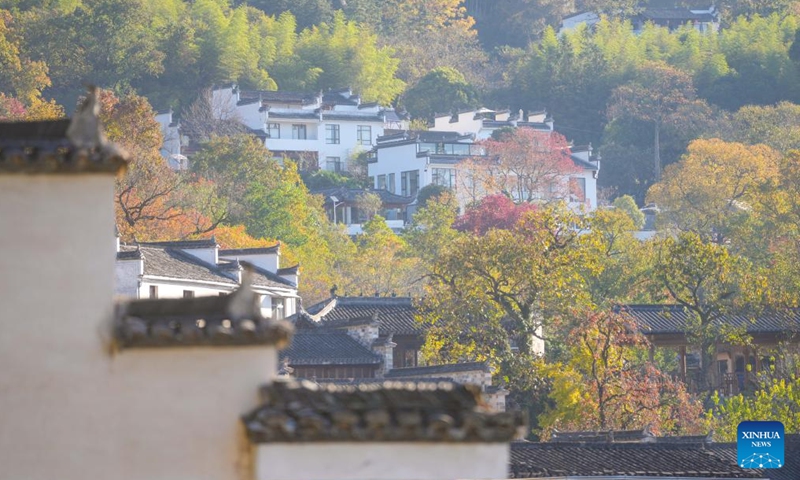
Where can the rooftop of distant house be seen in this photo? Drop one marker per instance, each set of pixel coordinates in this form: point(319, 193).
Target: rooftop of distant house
point(377, 412)
point(175, 260)
point(394, 315)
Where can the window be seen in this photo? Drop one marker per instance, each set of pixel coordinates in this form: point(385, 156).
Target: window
point(273, 130)
point(153, 291)
point(332, 134)
point(188, 294)
point(390, 182)
point(299, 132)
point(333, 164)
point(445, 177)
point(409, 183)
point(577, 189)
point(381, 182)
point(278, 305)
point(364, 135)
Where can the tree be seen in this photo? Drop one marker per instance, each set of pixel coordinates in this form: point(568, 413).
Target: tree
point(19, 76)
point(380, 264)
point(441, 90)
point(775, 400)
point(714, 187)
point(491, 213)
point(153, 201)
point(605, 384)
point(340, 53)
point(429, 192)
point(518, 23)
point(654, 96)
point(627, 204)
point(369, 204)
point(236, 164)
point(623, 263)
point(431, 230)
point(525, 164)
point(207, 117)
point(773, 125)
point(709, 282)
point(489, 294)
point(611, 8)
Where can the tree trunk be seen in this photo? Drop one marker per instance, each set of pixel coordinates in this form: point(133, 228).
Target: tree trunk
point(657, 152)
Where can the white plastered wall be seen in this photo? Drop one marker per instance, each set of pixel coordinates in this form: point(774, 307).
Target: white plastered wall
point(71, 410)
point(382, 461)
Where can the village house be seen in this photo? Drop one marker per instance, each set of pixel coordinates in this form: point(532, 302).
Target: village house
point(737, 366)
point(342, 206)
point(703, 17)
point(180, 388)
point(185, 269)
point(407, 161)
point(361, 340)
point(319, 130)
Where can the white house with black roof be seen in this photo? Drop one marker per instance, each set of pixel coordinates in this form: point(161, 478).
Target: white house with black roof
point(482, 122)
point(185, 269)
point(320, 130)
point(405, 162)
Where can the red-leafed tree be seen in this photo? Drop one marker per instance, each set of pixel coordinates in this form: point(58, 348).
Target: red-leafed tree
point(524, 164)
point(492, 212)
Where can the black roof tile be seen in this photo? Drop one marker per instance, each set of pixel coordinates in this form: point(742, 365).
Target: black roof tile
point(328, 347)
point(303, 411)
point(536, 460)
point(59, 146)
point(233, 319)
point(394, 314)
point(673, 318)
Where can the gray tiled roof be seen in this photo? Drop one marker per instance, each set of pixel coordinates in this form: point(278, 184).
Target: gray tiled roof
point(232, 252)
point(537, 460)
point(233, 319)
point(328, 347)
point(394, 314)
point(789, 471)
point(174, 263)
point(673, 319)
point(302, 411)
point(161, 260)
point(50, 147)
point(438, 369)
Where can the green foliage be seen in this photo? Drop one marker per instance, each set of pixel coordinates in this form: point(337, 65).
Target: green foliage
point(443, 90)
point(709, 282)
point(340, 53)
point(429, 192)
point(320, 179)
point(777, 400)
point(627, 204)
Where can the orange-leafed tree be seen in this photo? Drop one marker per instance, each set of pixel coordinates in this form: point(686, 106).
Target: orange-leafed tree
point(154, 202)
